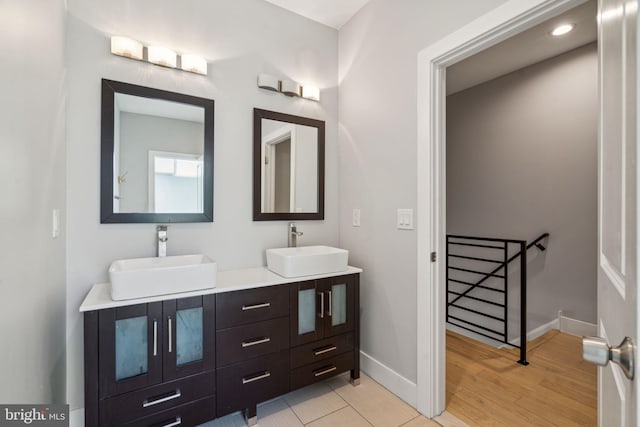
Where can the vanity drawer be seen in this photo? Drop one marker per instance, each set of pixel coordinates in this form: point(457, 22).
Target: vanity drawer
point(320, 350)
point(246, 384)
point(144, 402)
point(320, 370)
point(247, 341)
point(191, 414)
point(251, 305)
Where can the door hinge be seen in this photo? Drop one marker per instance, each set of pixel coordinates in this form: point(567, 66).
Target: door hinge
point(433, 257)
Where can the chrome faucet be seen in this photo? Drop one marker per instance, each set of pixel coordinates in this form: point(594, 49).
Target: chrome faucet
point(162, 240)
point(293, 235)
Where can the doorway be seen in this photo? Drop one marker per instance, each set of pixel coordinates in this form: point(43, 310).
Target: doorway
point(501, 24)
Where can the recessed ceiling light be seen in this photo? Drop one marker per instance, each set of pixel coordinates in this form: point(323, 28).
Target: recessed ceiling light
point(562, 29)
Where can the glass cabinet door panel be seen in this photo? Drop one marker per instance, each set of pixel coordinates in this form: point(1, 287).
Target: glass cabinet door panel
point(189, 335)
point(338, 304)
point(306, 311)
point(131, 347)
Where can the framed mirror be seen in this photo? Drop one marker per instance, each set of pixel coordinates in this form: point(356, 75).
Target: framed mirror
point(288, 167)
point(156, 160)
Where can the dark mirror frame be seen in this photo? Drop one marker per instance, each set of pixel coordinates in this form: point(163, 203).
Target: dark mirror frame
point(109, 90)
point(258, 215)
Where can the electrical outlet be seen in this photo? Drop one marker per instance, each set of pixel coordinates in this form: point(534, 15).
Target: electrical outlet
point(55, 223)
point(356, 218)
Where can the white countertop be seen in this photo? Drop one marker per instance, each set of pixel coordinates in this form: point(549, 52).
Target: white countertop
point(99, 296)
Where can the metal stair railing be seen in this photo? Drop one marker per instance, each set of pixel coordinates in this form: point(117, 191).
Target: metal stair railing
point(455, 298)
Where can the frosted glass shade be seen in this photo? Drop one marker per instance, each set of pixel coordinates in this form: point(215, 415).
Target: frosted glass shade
point(124, 46)
point(290, 88)
point(193, 63)
point(162, 56)
point(311, 92)
point(265, 81)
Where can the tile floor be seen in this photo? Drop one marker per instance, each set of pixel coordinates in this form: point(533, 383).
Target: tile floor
point(336, 403)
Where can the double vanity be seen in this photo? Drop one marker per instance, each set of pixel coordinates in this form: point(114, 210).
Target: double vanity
point(172, 341)
point(191, 356)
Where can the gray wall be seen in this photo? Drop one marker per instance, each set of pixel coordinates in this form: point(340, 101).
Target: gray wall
point(522, 160)
point(32, 179)
point(240, 38)
point(378, 49)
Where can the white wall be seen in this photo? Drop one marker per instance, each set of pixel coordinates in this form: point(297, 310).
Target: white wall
point(378, 63)
point(32, 179)
point(241, 38)
point(521, 161)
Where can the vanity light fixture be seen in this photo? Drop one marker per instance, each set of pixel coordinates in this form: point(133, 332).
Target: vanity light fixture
point(311, 92)
point(130, 48)
point(193, 63)
point(162, 56)
point(290, 88)
point(124, 46)
point(265, 81)
point(563, 29)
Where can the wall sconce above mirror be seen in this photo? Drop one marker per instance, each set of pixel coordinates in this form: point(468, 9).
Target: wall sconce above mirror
point(288, 167)
point(156, 162)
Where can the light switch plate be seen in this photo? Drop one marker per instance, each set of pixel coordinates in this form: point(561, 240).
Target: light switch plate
point(356, 218)
point(405, 219)
point(55, 223)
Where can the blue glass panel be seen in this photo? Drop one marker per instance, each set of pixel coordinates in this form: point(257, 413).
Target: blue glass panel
point(189, 336)
point(131, 347)
point(306, 311)
point(338, 304)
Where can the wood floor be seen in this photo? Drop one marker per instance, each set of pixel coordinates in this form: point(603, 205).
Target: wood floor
point(486, 387)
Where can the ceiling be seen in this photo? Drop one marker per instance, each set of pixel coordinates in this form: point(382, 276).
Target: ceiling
point(334, 13)
point(524, 49)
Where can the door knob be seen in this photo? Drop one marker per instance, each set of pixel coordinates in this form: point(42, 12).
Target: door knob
point(596, 350)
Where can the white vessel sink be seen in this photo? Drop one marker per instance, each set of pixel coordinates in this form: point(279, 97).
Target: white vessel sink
point(306, 260)
point(146, 277)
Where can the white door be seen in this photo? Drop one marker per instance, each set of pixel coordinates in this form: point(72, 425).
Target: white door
point(617, 204)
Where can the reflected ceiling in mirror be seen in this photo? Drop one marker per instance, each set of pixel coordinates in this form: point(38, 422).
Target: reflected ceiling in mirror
point(288, 167)
point(157, 155)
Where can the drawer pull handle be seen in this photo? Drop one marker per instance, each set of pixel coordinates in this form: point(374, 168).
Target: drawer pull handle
point(255, 342)
point(324, 371)
point(265, 374)
point(330, 312)
point(177, 422)
point(176, 394)
point(325, 350)
point(255, 306)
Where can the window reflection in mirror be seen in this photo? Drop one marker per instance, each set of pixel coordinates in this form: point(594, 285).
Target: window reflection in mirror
point(157, 155)
point(288, 167)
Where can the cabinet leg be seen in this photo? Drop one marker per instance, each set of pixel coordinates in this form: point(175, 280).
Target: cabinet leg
point(251, 416)
point(355, 377)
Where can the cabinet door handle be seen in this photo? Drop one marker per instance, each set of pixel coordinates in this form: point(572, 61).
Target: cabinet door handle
point(161, 399)
point(155, 337)
point(255, 342)
point(256, 306)
point(324, 371)
point(325, 350)
point(265, 374)
point(177, 422)
point(321, 294)
point(330, 312)
point(170, 322)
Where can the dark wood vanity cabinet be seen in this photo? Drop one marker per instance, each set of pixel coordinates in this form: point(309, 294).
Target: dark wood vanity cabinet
point(324, 329)
point(187, 361)
point(146, 359)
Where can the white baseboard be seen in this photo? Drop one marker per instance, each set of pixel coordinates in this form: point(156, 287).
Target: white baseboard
point(76, 418)
point(576, 327)
point(538, 332)
point(390, 379)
